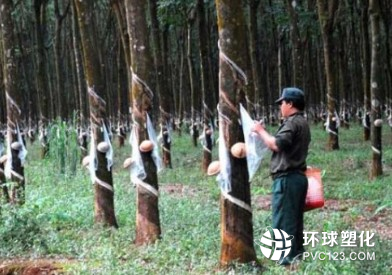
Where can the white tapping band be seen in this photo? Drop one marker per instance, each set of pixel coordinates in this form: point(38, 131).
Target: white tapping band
point(375, 150)
point(146, 186)
point(103, 184)
point(206, 149)
point(207, 109)
point(165, 149)
point(91, 92)
point(331, 132)
point(232, 64)
point(17, 175)
point(12, 102)
point(137, 79)
point(237, 202)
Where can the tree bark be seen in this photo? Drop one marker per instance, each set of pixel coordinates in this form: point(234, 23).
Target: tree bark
point(376, 86)
point(103, 181)
point(366, 68)
point(163, 91)
point(42, 75)
point(13, 102)
point(207, 90)
point(61, 95)
point(148, 228)
point(326, 11)
point(254, 98)
point(386, 20)
point(4, 188)
point(236, 218)
point(3, 108)
point(297, 49)
point(192, 83)
point(79, 84)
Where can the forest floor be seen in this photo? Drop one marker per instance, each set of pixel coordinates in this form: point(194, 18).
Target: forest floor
point(54, 233)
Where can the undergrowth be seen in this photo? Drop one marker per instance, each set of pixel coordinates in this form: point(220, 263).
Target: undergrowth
point(57, 219)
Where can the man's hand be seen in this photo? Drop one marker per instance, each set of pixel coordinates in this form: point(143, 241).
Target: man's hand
point(258, 127)
point(269, 140)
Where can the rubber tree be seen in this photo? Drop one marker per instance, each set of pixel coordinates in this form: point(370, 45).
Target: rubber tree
point(13, 169)
point(365, 45)
point(62, 101)
point(254, 52)
point(42, 74)
point(206, 86)
point(79, 84)
point(297, 48)
point(191, 12)
point(163, 91)
point(3, 108)
point(376, 86)
point(237, 242)
point(100, 163)
point(119, 9)
point(148, 227)
point(326, 13)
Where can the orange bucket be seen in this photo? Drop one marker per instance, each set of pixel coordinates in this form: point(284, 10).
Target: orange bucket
point(315, 194)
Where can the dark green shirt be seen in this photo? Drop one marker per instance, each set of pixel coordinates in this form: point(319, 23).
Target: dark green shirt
point(292, 139)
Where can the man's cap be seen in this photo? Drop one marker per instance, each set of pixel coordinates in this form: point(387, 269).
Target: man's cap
point(292, 94)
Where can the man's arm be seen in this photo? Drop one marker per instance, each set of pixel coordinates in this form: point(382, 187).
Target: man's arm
point(268, 139)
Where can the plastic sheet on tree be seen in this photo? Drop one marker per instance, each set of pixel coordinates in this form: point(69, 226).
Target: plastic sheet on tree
point(328, 123)
point(8, 169)
point(255, 147)
point(1, 148)
point(109, 153)
point(169, 135)
point(224, 175)
point(153, 138)
point(93, 165)
point(137, 168)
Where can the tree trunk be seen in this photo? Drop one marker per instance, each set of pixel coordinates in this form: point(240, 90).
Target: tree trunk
point(191, 71)
point(254, 98)
point(119, 9)
point(365, 68)
point(163, 92)
point(168, 101)
point(62, 101)
point(14, 98)
point(376, 85)
point(42, 75)
point(236, 214)
point(327, 10)
point(79, 85)
point(148, 228)
point(3, 108)
point(344, 84)
point(207, 90)
point(181, 86)
point(4, 189)
point(297, 51)
point(386, 19)
point(356, 80)
point(102, 176)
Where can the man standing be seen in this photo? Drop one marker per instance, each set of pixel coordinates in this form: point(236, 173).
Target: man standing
point(288, 164)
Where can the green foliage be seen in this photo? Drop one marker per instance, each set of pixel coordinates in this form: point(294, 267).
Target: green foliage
point(58, 222)
point(174, 12)
point(63, 147)
point(20, 230)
